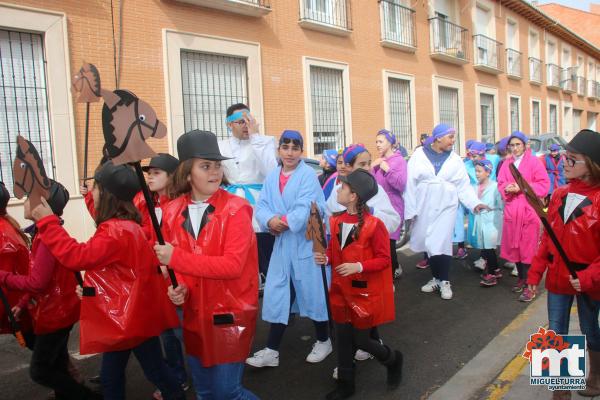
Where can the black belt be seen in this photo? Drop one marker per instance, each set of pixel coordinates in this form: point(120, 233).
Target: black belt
point(577, 266)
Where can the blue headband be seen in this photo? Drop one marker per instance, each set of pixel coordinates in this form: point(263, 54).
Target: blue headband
point(519, 135)
point(293, 136)
point(236, 116)
point(442, 130)
point(351, 152)
point(477, 147)
point(388, 135)
point(331, 157)
point(486, 164)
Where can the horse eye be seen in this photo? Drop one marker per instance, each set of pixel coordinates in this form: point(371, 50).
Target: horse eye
point(142, 117)
point(23, 165)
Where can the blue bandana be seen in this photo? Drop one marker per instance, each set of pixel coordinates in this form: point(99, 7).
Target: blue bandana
point(351, 152)
point(486, 164)
point(238, 115)
point(291, 136)
point(330, 156)
point(519, 135)
point(388, 135)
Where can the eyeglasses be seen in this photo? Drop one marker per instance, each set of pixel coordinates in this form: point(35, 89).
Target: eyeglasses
point(571, 162)
point(240, 122)
point(515, 145)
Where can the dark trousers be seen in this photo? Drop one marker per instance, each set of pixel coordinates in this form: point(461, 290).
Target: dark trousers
point(49, 365)
point(394, 256)
point(348, 339)
point(149, 355)
point(523, 269)
point(265, 242)
point(440, 266)
point(489, 255)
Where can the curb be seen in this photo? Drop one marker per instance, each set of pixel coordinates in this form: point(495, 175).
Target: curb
point(475, 377)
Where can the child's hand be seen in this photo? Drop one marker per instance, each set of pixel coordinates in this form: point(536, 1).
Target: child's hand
point(83, 189)
point(41, 211)
point(346, 269)
point(16, 310)
point(79, 291)
point(178, 294)
point(320, 258)
point(481, 207)
point(575, 283)
point(164, 253)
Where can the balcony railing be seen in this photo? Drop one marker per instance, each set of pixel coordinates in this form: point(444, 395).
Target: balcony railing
point(252, 8)
point(397, 25)
point(535, 70)
point(591, 88)
point(487, 54)
point(332, 16)
point(553, 73)
point(448, 41)
point(513, 63)
point(568, 79)
point(581, 86)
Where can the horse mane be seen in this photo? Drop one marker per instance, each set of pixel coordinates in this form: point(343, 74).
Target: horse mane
point(39, 162)
point(126, 98)
point(96, 75)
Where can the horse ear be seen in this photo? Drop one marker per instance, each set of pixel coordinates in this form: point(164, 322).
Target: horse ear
point(110, 99)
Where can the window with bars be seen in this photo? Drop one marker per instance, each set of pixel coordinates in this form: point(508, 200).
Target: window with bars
point(515, 117)
point(327, 103)
point(535, 118)
point(576, 121)
point(448, 108)
point(400, 111)
point(488, 125)
point(211, 83)
point(23, 100)
point(552, 118)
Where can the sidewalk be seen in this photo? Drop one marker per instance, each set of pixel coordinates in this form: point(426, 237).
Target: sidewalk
point(499, 372)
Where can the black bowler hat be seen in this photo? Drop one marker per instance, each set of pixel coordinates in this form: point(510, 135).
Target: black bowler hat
point(163, 161)
point(362, 183)
point(4, 198)
point(586, 142)
point(199, 144)
point(58, 198)
point(119, 180)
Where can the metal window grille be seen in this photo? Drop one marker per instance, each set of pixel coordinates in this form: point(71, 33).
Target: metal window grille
point(535, 69)
point(488, 126)
point(398, 23)
point(23, 100)
point(576, 121)
point(448, 38)
point(591, 120)
point(327, 102)
point(553, 118)
point(329, 12)
point(211, 83)
point(400, 111)
point(514, 114)
point(535, 117)
point(513, 62)
point(487, 51)
point(448, 106)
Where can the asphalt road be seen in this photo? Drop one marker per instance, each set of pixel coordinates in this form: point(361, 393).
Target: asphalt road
point(436, 336)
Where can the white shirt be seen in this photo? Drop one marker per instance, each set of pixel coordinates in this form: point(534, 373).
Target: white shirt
point(196, 211)
point(518, 160)
point(573, 200)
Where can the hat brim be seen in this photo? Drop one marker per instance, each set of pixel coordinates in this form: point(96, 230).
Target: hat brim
point(572, 149)
point(147, 168)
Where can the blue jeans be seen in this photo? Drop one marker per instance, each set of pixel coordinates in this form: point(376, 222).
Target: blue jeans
point(172, 340)
point(220, 382)
point(149, 355)
point(559, 312)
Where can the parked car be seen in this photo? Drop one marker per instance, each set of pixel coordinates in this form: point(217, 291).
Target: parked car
point(314, 164)
point(541, 144)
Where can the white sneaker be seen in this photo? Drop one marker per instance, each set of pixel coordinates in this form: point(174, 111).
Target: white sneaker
point(335, 375)
point(362, 355)
point(509, 265)
point(515, 271)
point(431, 286)
point(264, 358)
point(320, 351)
point(445, 290)
point(480, 264)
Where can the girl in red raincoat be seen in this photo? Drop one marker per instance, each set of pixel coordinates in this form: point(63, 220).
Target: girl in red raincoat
point(55, 311)
point(212, 247)
point(361, 293)
point(574, 215)
point(123, 308)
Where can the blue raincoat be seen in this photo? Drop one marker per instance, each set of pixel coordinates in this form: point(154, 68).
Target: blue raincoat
point(292, 260)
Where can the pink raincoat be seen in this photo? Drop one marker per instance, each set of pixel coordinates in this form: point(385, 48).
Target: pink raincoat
point(521, 227)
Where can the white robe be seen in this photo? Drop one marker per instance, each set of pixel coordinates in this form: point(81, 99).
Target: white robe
point(431, 201)
point(380, 203)
point(252, 160)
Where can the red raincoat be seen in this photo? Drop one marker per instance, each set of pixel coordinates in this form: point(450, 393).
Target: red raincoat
point(220, 269)
point(58, 306)
point(579, 237)
point(130, 304)
point(14, 257)
point(365, 299)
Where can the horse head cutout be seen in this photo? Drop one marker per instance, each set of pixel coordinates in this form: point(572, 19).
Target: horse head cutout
point(29, 174)
point(127, 122)
point(315, 231)
point(87, 83)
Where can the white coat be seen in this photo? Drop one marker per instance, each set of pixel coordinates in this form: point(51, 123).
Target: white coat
point(431, 201)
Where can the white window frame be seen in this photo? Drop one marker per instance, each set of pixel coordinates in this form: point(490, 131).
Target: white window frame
point(556, 103)
point(517, 45)
point(558, 55)
point(455, 84)
point(567, 124)
point(307, 62)
point(53, 27)
point(387, 74)
point(492, 91)
point(174, 42)
point(520, 122)
point(530, 48)
point(539, 101)
point(487, 6)
point(570, 51)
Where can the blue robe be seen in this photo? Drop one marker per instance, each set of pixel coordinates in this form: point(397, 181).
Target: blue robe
point(554, 172)
point(292, 260)
point(470, 165)
point(487, 225)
